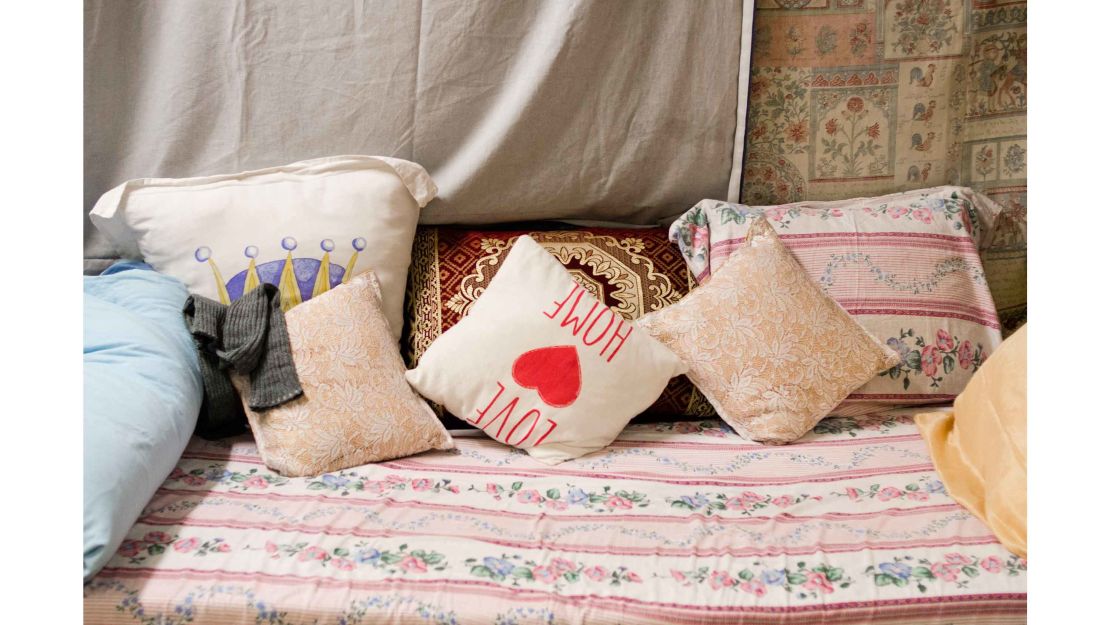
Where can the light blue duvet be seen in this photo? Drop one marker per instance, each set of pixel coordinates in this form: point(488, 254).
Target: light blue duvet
point(142, 396)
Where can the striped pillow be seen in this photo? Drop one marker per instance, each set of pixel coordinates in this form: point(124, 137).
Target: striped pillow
point(906, 266)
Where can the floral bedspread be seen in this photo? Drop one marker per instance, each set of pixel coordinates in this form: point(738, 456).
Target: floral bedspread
point(673, 523)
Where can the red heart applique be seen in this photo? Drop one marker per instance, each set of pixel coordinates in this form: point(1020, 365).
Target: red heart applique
point(553, 371)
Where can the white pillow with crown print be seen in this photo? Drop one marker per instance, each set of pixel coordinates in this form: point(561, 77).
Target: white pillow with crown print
point(305, 227)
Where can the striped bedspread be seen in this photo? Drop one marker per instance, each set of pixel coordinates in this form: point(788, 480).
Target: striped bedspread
point(672, 523)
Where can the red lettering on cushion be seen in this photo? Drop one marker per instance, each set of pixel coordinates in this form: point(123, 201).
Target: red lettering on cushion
point(577, 323)
point(482, 412)
point(617, 335)
point(535, 420)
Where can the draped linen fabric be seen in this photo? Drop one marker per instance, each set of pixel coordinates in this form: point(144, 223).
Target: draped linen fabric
point(619, 111)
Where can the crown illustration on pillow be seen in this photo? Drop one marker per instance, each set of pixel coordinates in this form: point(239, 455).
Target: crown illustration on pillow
point(298, 279)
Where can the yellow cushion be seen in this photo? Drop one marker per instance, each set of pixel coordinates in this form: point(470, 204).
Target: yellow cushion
point(979, 446)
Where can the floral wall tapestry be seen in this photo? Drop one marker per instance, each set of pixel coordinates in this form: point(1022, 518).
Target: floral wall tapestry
point(856, 98)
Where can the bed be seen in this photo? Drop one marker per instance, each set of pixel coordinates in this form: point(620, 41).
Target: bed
point(679, 522)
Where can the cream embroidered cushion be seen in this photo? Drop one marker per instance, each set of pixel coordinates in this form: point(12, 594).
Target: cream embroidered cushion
point(766, 346)
point(539, 363)
point(305, 227)
point(357, 407)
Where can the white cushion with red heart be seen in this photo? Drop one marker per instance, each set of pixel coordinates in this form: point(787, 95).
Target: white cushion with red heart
point(539, 363)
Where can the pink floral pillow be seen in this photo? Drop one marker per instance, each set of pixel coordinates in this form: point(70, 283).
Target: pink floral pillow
point(906, 266)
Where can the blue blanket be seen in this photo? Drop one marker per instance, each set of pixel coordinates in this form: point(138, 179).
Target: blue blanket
point(142, 396)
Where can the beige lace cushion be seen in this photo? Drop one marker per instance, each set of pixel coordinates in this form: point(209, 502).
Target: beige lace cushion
point(770, 351)
point(357, 407)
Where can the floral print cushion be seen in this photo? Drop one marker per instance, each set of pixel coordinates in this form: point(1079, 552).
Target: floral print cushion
point(770, 350)
point(681, 522)
point(356, 407)
point(906, 266)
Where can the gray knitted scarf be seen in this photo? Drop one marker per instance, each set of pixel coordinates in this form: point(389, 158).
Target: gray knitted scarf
point(249, 336)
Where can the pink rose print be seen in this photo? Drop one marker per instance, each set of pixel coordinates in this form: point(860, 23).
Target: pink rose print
point(556, 504)
point(632, 577)
point(700, 237)
point(735, 503)
point(421, 484)
point(957, 558)
point(158, 537)
point(256, 482)
point(854, 493)
point(453, 488)
point(721, 579)
point(923, 215)
point(946, 571)
point(413, 565)
point(945, 341)
point(889, 493)
point(836, 212)
point(177, 473)
point(817, 582)
point(775, 214)
point(343, 564)
point(596, 573)
point(193, 480)
point(917, 495)
point(782, 501)
point(223, 548)
point(898, 211)
point(544, 574)
point(395, 479)
point(930, 360)
point(312, 553)
point(530, 496)
point(616, 501)
point(130, 548)
point(754, 587)
point(685, 427)
point(991, 564)
point(185, 545)
point(679, 576)
point(271, 548)
point(561, 565)
point(750, 497)
point(965, 353)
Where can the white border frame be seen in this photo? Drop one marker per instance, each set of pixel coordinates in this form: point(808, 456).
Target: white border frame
point(743, 80)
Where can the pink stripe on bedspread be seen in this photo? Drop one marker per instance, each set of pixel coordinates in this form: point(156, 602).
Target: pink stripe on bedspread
point(673, 523)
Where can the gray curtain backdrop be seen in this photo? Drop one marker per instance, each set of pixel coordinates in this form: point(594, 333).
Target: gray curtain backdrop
point(526, 109)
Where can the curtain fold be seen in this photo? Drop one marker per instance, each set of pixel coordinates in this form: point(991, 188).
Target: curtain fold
point(535, 109)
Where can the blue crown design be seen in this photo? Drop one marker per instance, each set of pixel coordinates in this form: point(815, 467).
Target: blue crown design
point(306, 276)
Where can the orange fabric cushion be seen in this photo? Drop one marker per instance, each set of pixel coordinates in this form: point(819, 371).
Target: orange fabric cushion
point(357, 407)
point(770, 350)
point(979, 446)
